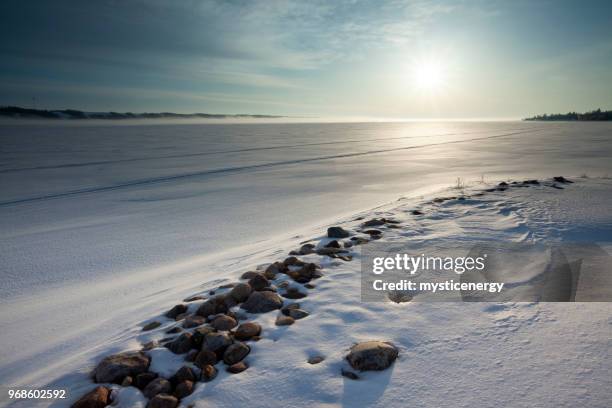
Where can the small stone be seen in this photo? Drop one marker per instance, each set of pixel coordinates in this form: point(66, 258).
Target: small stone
point(247, 330)
point(283, 320)
point(306, 249)
point(349, 374)
point(212, 306)
point(249, 275)
point(333, 244)
point(163, 401)
point(113, 369)
point(184, 373)
point(191, 355)
point(151, 326)
point(224, 323)
point(561, 179)
point(174, 330)
point(240, 292)
point(149, 345)
point(194, 298)
point(236, 353)
point(274, 269)
point(293, 293)
point(127, 381)
point(416, 212)
point(259, 282)
point(293, 261)
point(375, 222)
point(193, 321)
point(309, 286)
point(286, 309)
point(209, 372)
point(99, 397)
point(181, 344)
point(337, 232)
point(183, 389)
point(503, 184)
point(372, 232)
point(175, 311)
point(142, 380)
point(216, 342)
point(298, 313)
point(237, 368)
point(157, 386)
point(315, 359)
point(199, 334)
point(262, 302)
point(204, 358)
point(372, 355)
point(399, 297)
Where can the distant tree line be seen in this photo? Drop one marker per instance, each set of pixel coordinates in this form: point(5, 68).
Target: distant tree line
point(17, 112)
point(596, 115)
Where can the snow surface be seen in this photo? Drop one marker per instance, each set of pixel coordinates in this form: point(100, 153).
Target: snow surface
point(104, 227)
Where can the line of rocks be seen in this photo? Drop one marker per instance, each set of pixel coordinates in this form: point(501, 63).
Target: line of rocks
point(213, 333)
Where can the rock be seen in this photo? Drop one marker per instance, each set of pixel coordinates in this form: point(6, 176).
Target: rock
point(298, 314)
point(184, 373)
point(309, 286)
point(236, 353)
point(262, 302)
point(337, 232)
point(157, 386)
point(283, 320)
point(503, 184)
point(372, 355)
point(349, 374)
point(259, 282)
point(209, 373)
point(348, 244)
point(359, 240)
point(175, 311)
point(215, 305)
point(142, 380)
point(198, 336)
point(216, 342)
point(532, 182)
point(150, 345)
point(151, 326)
point(174, 330)
point(293, 293)
point(306, 249)
point(375, 222)
point(305, 274)
point(293, 261)
point(399, 297)
point(224, 323)
point(193, 321)
point(181, 316)
point(127, 381)
point(240, 292)
point(183, 389)
point(249, 275)
point(286, 309)
point(181, 344)
point(372, 232)
point(194, 298)
point(99, 397)
point(561, 179)
point(274, 269)
point(163, 401)
point(333, 244)
point(191, 355)
point(204, 358)
point(315, 359)
point(237, 368)
point(416, 212)
point(247, 330)
point(113, 369)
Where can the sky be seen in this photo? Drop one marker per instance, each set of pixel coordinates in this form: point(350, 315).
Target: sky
point(375, 59)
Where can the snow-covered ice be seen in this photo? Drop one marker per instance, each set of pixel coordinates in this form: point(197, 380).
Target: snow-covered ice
point(104, 227)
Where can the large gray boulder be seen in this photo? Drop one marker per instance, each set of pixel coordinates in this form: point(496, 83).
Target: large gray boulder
point(113, 369)
point(372, 355)
point(262, 302)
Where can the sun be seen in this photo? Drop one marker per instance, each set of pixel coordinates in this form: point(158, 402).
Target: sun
point(429, 76)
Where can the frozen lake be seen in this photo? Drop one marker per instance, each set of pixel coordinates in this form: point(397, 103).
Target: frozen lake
point(96, 219)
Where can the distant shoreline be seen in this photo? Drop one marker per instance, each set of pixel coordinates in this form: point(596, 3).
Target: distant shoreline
point(26, 113)
point(593, 116)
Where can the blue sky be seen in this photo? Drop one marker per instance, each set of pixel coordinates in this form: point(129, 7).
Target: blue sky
point(384, 59)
